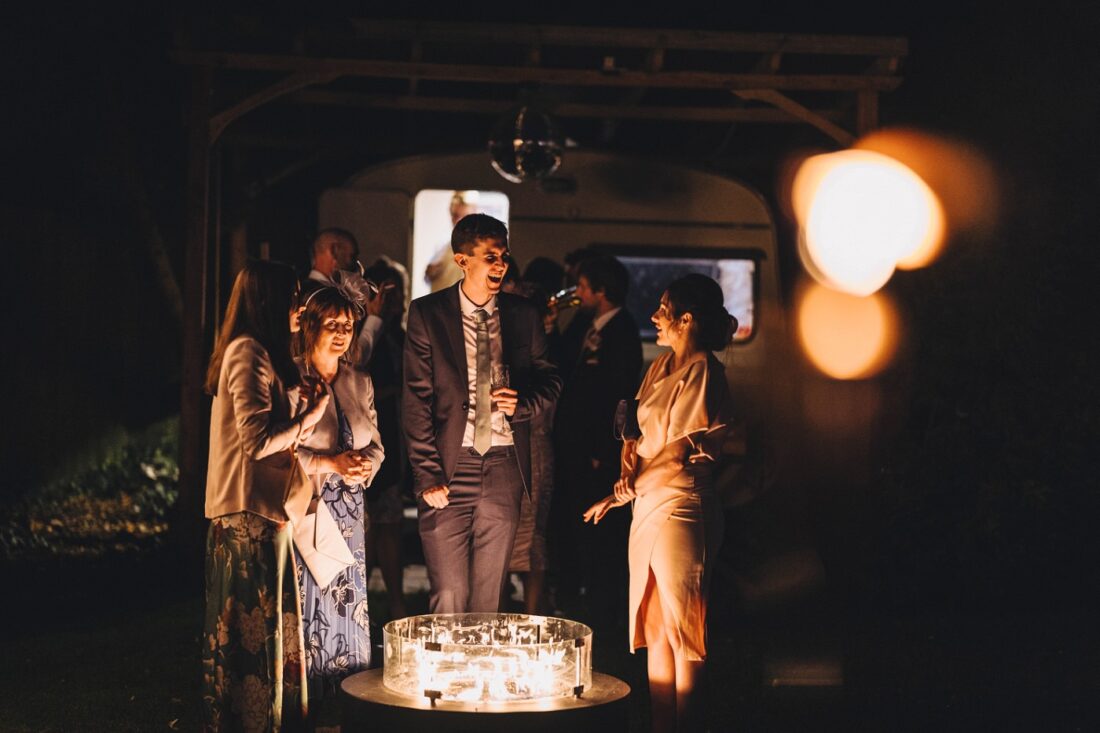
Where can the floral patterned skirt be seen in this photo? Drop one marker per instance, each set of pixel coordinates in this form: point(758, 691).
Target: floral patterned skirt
point(335, 621)
point(253, 677)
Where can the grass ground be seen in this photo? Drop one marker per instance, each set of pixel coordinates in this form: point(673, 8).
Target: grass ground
point(100, 645)
point(133, 674)
point(111, 644)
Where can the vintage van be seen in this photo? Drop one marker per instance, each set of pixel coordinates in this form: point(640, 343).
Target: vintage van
point(661, 219)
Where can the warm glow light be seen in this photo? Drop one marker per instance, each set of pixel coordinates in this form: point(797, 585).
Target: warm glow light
point(846, 336)
point(861, 213)
point(927, 248)
point(487, 658)
point(808, 173)
point(963, 179)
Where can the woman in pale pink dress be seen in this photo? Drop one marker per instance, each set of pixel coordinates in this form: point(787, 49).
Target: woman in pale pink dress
point(683, 413)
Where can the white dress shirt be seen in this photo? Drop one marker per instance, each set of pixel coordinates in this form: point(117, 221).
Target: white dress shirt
point(498, 422)
point(600, 321)
point(592, 336)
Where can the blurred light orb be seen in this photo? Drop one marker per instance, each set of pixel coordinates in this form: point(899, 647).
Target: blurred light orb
point(525, 145)
point(930, 245)
point(964, 180)
point(846, 336)
point(861, 213)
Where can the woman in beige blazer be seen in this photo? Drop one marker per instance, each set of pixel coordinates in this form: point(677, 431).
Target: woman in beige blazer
point(342, 457)
point(253, 672)
point(676, 531)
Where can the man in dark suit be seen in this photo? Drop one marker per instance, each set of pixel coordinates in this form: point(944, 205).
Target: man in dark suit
point(469, 440)
point(601, 361)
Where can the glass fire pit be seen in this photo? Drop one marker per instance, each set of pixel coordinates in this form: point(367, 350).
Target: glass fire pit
point(487, 657)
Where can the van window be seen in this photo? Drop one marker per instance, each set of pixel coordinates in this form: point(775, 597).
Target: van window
point(736, 273)
point(434, 213)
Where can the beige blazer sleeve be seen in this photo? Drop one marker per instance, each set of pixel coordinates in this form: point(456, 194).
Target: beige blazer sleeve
point(251, 465)
point(250, 377)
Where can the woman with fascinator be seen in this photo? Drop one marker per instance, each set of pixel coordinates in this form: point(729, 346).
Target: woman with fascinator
point(676, 530)
point(342, 456)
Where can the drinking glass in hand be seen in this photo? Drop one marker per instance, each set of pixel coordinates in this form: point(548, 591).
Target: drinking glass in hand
point(500, 377)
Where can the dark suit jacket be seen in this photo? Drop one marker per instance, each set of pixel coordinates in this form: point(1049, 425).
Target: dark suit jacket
point(594, 382)
point(435, 398)
point(385, 372)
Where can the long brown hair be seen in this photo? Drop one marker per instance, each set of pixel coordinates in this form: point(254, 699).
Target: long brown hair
point(259, 306)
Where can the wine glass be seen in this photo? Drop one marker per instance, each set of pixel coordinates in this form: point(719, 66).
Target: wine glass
point(500, 376)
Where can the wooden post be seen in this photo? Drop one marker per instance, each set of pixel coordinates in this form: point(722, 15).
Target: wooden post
point(193, 431)
point(238, 249)
point(866, 112)
point(214, 274)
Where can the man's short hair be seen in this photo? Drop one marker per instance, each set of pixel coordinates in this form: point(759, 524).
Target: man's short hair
point(335, 232)
point(604, 272)
point(474, 227)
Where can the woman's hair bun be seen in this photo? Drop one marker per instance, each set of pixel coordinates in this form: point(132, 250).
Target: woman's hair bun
point(702, 297)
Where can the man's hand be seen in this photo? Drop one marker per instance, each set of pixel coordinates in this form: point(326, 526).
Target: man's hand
point(436, 496)
point(505, 400)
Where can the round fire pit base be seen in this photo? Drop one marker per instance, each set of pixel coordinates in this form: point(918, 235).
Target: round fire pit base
point(368, 705)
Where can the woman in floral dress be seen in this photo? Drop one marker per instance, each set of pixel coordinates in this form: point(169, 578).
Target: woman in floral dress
point(342, 456)
point(253, 677)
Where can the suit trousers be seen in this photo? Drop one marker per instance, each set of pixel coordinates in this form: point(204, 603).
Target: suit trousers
point(468, 543)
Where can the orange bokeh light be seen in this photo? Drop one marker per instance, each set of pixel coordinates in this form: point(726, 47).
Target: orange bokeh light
point(861, 214)
point(846, 336)
point(963, 179)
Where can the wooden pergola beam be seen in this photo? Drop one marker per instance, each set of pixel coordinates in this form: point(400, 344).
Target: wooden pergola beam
point(520, 75)
point(763, 115)
point(692, 40)
point(799, 112)
point(292, 83)
point(769, 63)
point(884, 65)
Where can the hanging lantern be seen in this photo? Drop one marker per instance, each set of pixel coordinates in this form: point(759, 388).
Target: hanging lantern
point(525, 145)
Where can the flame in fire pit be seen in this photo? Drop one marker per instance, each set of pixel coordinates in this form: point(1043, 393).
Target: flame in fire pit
point(487, 657)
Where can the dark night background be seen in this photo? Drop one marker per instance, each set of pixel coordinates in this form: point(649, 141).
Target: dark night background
point(979, 521)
